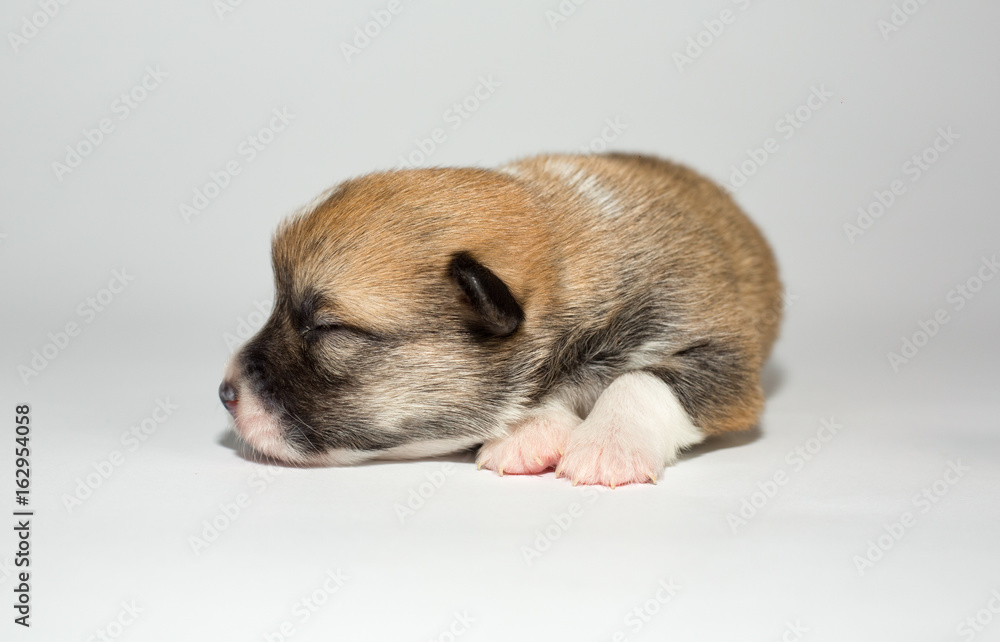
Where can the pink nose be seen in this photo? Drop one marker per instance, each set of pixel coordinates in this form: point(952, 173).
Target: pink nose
point(227, 393)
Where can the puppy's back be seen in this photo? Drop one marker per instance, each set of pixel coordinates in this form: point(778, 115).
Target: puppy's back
point(660, 271)
point(634, 221)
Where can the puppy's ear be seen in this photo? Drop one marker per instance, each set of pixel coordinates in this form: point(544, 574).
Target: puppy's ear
point(495, 310)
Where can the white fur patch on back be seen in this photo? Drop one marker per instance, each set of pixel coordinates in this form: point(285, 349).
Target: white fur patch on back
point(514, 170)
point(587, 185)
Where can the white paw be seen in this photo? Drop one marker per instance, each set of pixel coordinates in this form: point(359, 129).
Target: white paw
point(611, 461)
point(636, 428)
point(532, 446)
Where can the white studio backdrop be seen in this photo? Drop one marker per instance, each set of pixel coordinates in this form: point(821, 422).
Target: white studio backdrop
point(150, 149)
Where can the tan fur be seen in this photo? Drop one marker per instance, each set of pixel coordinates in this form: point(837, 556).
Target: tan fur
point(584, 244)
point(740, 297)
point(376, 243)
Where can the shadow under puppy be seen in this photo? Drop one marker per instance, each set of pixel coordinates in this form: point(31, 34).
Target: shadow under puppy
point(597, 314)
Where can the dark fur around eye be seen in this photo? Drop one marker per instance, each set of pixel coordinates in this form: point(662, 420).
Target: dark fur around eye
point(327, 327)
point(332, 330)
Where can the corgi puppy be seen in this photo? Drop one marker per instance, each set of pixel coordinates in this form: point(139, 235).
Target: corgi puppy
point(595, 314)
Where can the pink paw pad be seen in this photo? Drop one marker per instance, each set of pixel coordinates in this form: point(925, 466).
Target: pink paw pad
point(608, 462)
point(532, 447)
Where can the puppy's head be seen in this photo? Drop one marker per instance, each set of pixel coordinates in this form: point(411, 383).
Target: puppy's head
point(402, 301)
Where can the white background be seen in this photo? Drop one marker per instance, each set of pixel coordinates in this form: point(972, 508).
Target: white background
point(793, 564)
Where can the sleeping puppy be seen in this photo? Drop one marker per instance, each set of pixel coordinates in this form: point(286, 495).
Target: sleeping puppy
point(596, 314)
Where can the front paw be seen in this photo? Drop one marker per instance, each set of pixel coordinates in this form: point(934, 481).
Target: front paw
point(636, 427)
point(532, 446)
point(612, 459)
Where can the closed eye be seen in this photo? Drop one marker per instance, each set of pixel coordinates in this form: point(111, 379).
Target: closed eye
point(324, 328)
point(321, 330)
